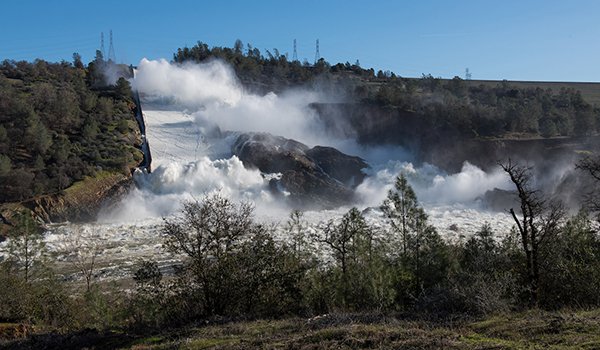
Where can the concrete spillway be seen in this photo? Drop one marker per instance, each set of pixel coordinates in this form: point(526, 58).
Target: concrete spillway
point(139, 117)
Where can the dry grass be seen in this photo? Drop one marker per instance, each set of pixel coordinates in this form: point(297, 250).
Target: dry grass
point(529, 330)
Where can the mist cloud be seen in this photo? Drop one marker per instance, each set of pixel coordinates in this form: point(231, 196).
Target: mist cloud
point(212, 92)
point(432, 186)
point(207, 99)
point(190, 85)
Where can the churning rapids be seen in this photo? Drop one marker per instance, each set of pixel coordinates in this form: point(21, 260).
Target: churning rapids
point(195, 113)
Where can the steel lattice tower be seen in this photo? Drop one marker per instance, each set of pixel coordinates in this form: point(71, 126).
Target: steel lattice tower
point(295, 56)
point(111, 49)
point(102, 44)
point(317, 53)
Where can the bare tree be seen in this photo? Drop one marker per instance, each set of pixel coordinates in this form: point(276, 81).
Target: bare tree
point(212, 233)
point(591, 165)
point(212, 227)
point(26, 248)
point(539, 221)
point(84, 246)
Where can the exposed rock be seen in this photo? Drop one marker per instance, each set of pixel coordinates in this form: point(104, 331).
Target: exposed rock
point(271, 154)
point(318, 177)
point(342, 167)
point(385, 125)
point(499, 200)
point(79, 203)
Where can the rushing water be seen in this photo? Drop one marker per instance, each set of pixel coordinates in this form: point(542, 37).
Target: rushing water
point(193, 115)
point(188, 163)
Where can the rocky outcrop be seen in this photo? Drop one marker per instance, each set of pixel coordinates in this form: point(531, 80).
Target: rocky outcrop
point(320, 177)
point(342, 167)
point(81, 202)
point(499, 200)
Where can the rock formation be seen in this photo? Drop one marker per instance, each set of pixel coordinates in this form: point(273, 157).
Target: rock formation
point(310, 177)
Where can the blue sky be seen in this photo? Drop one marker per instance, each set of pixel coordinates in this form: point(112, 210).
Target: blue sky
point(516, 40)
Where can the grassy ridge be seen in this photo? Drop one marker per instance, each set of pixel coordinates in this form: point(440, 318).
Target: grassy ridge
point(530, 330)
point(533, 329)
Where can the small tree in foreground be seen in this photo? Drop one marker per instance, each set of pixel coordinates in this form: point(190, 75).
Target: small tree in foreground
point(539, 223)
point(572, 266)
point(483, 280)
point(361, 276)
point(233, 264)
point(423, 256)
point(400, 207)
point(84, 246)
point(26, 248)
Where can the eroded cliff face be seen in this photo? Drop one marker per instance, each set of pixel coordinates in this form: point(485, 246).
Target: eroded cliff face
point(443, 145)
point(79, 203)
point(83, 201)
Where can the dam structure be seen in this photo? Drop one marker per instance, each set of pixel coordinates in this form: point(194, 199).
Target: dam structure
point(146, 164)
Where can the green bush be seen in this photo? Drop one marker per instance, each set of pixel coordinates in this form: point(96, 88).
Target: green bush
point(571, 266)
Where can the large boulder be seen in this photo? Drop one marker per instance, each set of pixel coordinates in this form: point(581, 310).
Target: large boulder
point(321, 177)
point(342, 167)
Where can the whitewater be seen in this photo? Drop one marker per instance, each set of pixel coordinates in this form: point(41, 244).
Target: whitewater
point(194, 113)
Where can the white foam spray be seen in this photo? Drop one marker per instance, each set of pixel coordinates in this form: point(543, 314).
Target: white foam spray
point(194, 112)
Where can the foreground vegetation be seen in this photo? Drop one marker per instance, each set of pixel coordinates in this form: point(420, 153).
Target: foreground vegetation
point(346, 285)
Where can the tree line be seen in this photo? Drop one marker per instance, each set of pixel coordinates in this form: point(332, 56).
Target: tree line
point(453, 106)
point(460, 108)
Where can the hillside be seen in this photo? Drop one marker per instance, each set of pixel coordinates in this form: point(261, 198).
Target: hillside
point(590, 91)
point(62, 124)
point(464, 109)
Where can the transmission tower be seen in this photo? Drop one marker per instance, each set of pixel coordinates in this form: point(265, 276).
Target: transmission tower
point(295, 56)
point(467, 74)
point(102, 44)
point(317, 53)
point(111, 50)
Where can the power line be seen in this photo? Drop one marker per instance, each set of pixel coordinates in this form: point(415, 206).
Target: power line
point(317, 53)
